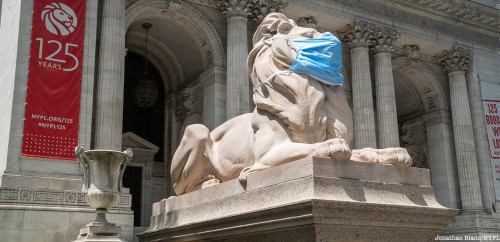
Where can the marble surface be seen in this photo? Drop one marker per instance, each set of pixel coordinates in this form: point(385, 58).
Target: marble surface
point(313, 198)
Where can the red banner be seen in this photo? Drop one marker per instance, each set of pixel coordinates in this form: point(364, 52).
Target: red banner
point(54, 79)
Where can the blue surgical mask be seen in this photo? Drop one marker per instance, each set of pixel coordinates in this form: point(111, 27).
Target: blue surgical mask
point(320, 58)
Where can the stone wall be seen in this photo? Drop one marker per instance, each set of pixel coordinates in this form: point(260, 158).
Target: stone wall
point(48, 215)
point(46, 224)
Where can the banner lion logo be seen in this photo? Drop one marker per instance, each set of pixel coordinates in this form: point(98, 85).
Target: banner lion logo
point(295, 117)
point(59, 19)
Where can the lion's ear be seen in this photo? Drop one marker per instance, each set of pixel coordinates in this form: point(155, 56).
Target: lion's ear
point(273, 24)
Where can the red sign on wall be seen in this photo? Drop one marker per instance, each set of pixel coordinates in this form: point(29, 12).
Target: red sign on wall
point(54, 79)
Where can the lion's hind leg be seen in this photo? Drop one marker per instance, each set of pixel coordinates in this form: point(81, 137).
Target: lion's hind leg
point(191, 165)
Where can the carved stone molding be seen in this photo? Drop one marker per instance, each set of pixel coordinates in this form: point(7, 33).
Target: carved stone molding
point(358, 34)
point(413, 136)
point(158, 169)
point(210, 3)
point(466, 14)
point(384, 39)
point(193, 21)
point(190, 100)
point(230, 8)
point(456, 59)
point(214, 75)
point(437, 117)
point(465, 224)
point(412, 52)
point(307, 22)
point(255, 10)
point(68, 198)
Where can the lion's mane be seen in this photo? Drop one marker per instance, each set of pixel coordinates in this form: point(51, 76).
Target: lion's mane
point(313, 111)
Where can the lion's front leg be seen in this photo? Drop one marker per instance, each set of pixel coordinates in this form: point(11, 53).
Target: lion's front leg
point(336, 148)
point(395, 156)
point(277, 154)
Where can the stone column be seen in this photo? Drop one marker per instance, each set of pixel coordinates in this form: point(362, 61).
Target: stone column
point(214, 98)
point(455, 62)
point(387, 119)
point(109, 106)
point(237, 13)
point(357, 36)
point(237, 96)
point(480, 134)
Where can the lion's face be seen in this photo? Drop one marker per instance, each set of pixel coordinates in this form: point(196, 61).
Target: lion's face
point(300, 33)
point(63, 17)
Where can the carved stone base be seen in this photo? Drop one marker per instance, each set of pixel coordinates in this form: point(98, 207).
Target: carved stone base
point(315, 199)
point(473, 224)
point(99, 232)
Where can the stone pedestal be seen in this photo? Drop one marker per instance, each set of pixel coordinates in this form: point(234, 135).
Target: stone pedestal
point(96, 232)
point(314, 199)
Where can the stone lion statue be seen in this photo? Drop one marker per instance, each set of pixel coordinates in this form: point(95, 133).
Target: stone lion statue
point(295, 117)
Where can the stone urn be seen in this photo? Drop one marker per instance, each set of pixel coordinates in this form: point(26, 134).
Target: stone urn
point(102, 174)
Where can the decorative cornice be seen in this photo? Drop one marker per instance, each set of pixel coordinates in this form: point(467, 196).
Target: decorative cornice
point(456, 59)
point(384, 39)
point(255, 10)
point(358, 34)
point(465, 14)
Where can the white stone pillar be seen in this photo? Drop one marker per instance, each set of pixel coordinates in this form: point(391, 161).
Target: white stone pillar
point(214, 97)
point(480, 134)
point(109, 106)
point(238, 84)
point(357, 36)
point(443, 169)
point(387, 119)
point(237, 98)
point(455, 62)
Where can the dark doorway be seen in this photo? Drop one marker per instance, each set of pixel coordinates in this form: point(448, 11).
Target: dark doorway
point(148, 122)
point(132, 178)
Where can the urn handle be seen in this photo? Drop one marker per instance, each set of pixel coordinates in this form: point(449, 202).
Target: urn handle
point(123, 165)
point(83, 161)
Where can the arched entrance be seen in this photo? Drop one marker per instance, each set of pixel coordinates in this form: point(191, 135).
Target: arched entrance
point(184, 48)
point(425, 125)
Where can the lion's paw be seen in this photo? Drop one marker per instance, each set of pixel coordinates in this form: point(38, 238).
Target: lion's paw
point(210, 181)
point(249, 170)
point(336, 148)
point(395, 156)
